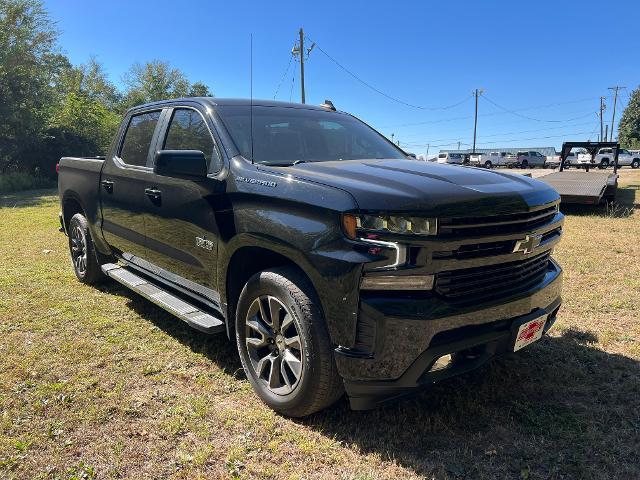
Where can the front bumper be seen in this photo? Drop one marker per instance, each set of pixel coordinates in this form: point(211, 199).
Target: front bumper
point(408, 343)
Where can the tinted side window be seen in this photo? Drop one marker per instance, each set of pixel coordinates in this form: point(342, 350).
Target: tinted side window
point(188, 131)
point(138, 138)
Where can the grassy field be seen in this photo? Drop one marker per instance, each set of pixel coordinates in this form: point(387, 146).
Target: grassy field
point(98, 383)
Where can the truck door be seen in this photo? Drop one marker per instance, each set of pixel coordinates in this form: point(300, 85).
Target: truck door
point(181, 223)
point(122, 186)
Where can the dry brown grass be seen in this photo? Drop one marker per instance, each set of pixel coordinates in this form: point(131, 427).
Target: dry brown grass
point(98, 383)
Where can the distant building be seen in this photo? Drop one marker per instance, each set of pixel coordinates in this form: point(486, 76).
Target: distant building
point(548, 151)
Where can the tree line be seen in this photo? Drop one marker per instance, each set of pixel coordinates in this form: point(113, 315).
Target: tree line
point(50, 108)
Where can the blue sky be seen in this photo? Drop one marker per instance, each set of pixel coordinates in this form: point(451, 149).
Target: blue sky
point(537, 59)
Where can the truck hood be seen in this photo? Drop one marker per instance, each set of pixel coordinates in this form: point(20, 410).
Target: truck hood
point(427, 187)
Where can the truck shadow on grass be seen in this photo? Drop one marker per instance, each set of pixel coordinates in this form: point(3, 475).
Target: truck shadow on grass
point(560, 409)
point(215, 347)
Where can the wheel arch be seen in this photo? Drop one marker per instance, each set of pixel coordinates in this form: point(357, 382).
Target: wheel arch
point(248, 259)
point(71, 204)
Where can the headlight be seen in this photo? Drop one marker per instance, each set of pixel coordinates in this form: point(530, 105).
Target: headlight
point(357, 225)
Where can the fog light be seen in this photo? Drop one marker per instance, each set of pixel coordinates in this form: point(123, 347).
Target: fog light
point(442, 363)
point(397, 282)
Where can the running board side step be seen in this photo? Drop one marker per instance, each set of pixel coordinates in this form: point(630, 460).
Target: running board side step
point(186, 312)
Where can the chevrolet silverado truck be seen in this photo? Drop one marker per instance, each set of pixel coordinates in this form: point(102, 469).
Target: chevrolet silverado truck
point(333, 261)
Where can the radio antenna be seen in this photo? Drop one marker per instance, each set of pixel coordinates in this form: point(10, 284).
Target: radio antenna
point(251, 91)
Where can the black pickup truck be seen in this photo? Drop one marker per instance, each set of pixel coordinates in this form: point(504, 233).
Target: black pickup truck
point(333, 260)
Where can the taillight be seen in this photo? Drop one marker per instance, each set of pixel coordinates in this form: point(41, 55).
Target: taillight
point(57, 167)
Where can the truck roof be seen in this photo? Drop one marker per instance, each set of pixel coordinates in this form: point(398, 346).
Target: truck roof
point(214, 101)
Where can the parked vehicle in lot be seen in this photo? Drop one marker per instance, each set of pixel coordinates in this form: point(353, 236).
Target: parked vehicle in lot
point(531, 159)
point(552, 161)
point(333, 261)
point(453, 158)
point(493, 159)
point(605, 158)
point(571, 160)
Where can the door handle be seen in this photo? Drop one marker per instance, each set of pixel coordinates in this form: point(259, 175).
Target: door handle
point(108, 185)
point(152, 193)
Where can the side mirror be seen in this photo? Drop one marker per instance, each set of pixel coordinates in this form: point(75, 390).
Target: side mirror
point(187, 164)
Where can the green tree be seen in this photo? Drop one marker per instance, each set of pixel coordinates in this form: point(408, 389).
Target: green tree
point(199, 89)
point(158, 80)
point(91, 79)
point(84, 118)
point(629, 128)
point(29, 68)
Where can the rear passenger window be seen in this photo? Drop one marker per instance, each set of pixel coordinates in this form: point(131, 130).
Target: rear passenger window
point(138, 138)
point(188, 131)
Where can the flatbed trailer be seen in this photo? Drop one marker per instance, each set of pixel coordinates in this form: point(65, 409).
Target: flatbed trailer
point(584, 186)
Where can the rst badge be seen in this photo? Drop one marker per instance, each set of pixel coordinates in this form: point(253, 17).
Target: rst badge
point(204, 243)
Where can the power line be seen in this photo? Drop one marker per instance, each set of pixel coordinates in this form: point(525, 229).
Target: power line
point(283, 77)
point(293, 79)
point(514, 112)
point(380, 92)
point(534, 138)
point(613, 116)
point(534, 107)
point(418, 144)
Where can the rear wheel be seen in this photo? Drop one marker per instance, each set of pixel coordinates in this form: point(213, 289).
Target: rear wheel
point(83, 253)
point(488, 164)
point(635, 163)
point(284, 344)
point(604, 163)
point(525, 164)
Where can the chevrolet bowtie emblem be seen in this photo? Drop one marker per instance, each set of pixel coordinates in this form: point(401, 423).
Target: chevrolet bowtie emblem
point(528, 244)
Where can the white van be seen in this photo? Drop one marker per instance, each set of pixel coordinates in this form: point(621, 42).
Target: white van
point(446, 157)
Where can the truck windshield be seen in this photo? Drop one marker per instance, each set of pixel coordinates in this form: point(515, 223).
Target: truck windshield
point(285, 135)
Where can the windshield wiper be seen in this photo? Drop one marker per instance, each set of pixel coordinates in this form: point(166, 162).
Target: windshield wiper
point(288, 164)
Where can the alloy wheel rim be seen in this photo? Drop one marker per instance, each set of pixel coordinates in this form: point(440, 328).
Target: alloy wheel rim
point(273, 345)
point(78, 250)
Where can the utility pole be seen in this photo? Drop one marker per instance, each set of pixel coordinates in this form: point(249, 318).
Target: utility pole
point(458, 145)
point(302, 63)
point(392, 135)
point(602, 107)
point(613, 117)
point(475, 120)
point(606, 132)
point(428, 145)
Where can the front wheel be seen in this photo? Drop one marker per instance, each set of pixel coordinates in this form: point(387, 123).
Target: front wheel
point(284, 344)
point(488, 164)
point(635, 163)
point(604, 164)
point(525, 164)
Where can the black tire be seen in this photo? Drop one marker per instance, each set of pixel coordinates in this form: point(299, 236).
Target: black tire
point(318, 384)
point(488, 164)
point(524, 164)
point(635, 163)
point(84, 257)
point(604, 164)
